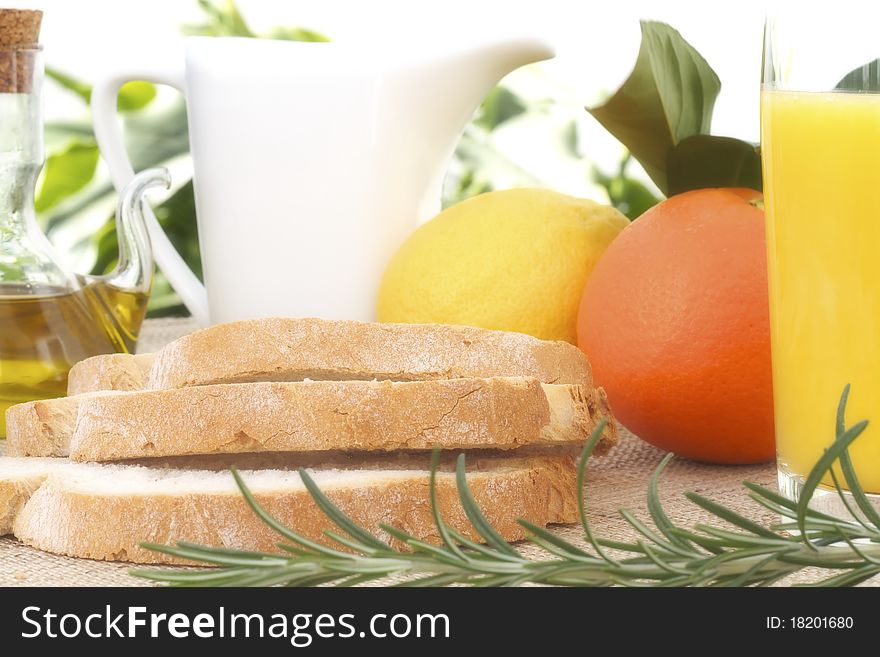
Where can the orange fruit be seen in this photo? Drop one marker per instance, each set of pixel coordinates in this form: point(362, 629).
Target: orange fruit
point(675, 322)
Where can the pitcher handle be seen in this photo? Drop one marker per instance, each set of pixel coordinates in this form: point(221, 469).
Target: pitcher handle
point(110, 142)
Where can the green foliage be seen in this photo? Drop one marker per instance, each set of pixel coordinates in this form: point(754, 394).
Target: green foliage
point(499, 106)
point(477, 159)
point(668, 96)
point(133, 96)
point(221, 19)
point(862, 79)
point(67, 172)
point(70, 83)
point(629, 195)
point(296, 34)
point(701, 161)
point(663, 113)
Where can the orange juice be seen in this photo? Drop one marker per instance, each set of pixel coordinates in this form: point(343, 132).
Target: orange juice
point(821, 155)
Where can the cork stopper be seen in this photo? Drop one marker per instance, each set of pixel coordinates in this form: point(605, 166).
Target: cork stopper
point(19, 41)
point(19, 28)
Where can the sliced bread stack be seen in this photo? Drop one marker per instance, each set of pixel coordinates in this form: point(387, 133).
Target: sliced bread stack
point(141, 448)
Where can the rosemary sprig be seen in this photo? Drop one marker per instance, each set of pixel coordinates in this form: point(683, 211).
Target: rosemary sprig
point(666, 554)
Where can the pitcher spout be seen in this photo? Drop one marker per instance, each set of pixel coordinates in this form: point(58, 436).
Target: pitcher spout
point(467, 74)
point(507, 55)
point(447, 90)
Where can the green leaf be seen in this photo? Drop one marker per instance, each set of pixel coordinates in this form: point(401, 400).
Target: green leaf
point(442, 529)
point(177, 216)
point(472, 510)
point(80, 88)
point(655, 507)
point(499, 106)
point(132, 96)
point(848, 469)
point(67, 172)
point(135, 95)
point(668, 97)
point(223, 19)
point(481, 161)
point(823, 465)
point(337, 516)
point(296, 34)
point(865, 78)
point(629, 195)
point(702, 161)
point(157, 136)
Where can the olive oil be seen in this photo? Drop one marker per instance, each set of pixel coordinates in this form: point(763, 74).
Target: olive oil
point(50, 318)
point(43, 335)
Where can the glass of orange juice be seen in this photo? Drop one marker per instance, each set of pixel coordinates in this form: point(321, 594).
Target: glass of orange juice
point(820, 139)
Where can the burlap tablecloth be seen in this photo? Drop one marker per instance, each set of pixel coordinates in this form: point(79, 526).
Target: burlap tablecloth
point(616, 481)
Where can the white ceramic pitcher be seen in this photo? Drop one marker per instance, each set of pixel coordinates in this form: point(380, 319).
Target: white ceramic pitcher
point(312, 162)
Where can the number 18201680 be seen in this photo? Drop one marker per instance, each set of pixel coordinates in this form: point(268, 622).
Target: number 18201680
point(810, 623)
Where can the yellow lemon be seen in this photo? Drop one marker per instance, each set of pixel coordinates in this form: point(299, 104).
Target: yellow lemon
point(515, 260)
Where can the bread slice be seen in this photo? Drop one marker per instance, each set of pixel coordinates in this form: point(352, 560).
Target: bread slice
point(43, 427)
point(278, 349)
point(499, 413)
point(105, 511)
point(19, 478)
point(109, 372)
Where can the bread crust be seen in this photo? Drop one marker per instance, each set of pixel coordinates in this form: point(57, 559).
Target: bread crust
point(42, 427)
point(283, 349)
point(13, 496)
point(109, 372)
point(497, 413)
point(64, 520)
point(328, 415)
point(278, 349)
